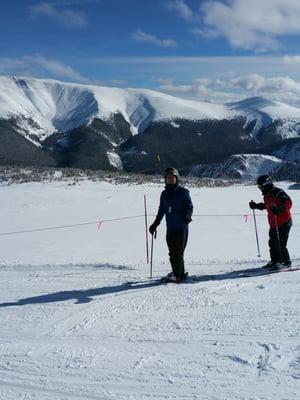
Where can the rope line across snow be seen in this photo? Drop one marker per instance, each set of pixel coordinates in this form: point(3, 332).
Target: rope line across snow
point(99, 222)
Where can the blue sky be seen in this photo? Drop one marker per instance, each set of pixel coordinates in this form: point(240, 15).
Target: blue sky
point(208, 50)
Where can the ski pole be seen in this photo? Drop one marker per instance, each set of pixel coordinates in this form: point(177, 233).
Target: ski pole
point(151, 257)
point(278, 238)
point(256, 234)
point(146, 229)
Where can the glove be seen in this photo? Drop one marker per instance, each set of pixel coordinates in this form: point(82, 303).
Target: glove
point(152, 228)
point(187, 219)
point(276, 209)
point(252, 205)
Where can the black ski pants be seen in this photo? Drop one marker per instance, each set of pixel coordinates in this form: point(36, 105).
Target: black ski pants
point(176, 241)
point(278, 242)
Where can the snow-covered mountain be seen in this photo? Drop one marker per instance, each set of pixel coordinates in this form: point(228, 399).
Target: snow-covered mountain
point(262, 113)
point(99, 127)
point(289, 151)
point(59, 106)
point(245, 167)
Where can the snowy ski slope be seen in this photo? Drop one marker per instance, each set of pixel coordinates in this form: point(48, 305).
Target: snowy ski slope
point(72, 328)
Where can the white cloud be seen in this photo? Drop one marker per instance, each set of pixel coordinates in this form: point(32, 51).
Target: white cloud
point(181, 8)
point(251, 25)
point(76, 2)
point(281, 88)
point(220, 90)
point(56, 67)
point(199, 89)
point(144, 37)
point(39, 65)
point(252, 83)
point(257, 24)
point(292, 59)
point(205, 32)
point(64, 16)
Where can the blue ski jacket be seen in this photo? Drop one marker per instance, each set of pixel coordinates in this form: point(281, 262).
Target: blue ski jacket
point(177, 206)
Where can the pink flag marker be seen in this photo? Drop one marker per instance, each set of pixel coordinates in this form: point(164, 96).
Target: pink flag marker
point(99, 223)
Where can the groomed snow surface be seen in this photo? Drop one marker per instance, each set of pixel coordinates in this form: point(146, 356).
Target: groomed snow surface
point(72, 328)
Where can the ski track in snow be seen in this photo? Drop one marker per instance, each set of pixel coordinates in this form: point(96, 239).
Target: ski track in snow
point(130, 343)
point(78, 331)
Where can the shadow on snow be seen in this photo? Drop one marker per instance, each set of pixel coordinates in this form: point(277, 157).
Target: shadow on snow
point(85, 296)
point(81, 296)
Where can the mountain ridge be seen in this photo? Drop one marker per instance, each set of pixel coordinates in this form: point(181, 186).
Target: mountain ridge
point(62, 106)
point(97, 127)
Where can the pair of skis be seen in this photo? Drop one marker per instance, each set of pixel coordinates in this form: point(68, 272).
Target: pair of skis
point(244, 273)
point(267, 271)
point(157, 281)
point(172, 279)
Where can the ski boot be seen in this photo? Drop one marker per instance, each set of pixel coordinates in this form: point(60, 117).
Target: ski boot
point(182, 278)
point(269, 265)
point(278, 266)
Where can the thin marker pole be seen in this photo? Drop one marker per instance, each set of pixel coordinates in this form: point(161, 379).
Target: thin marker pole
point(256, 234)
point(151, 257)
point(146, 229)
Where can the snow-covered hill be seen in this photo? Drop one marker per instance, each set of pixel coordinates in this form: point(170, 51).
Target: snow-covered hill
point(261, 113)
point(98, 127)
point(243, 167)
point(58, 106)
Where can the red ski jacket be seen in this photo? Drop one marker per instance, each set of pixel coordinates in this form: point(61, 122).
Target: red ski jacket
point(279, 198)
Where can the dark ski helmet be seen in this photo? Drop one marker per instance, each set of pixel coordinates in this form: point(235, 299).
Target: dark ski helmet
point(170, 171)
point(264, 182)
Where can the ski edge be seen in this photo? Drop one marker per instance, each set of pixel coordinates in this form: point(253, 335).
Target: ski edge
point(270, 271)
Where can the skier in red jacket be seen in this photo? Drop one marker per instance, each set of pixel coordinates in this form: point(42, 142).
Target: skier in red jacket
point(278, 205)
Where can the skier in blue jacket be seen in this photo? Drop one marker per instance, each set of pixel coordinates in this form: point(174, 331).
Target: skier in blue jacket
point(176, 205)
